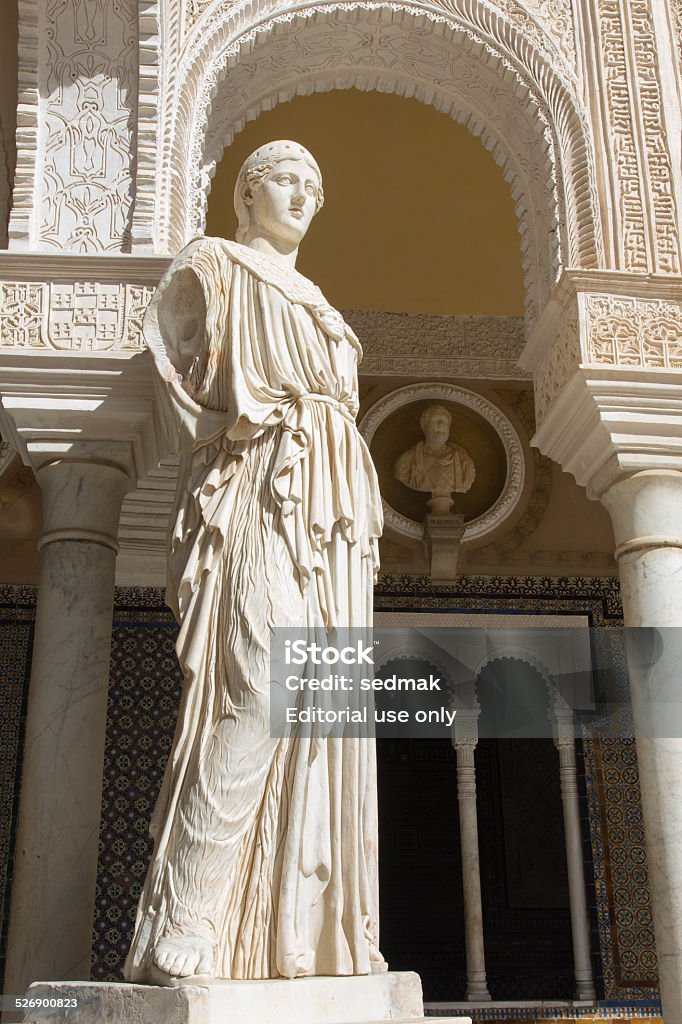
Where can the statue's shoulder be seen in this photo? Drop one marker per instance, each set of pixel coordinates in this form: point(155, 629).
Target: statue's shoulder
point(286, 279)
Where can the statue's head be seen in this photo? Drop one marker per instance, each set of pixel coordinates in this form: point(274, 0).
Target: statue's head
point(435, 423)
point(278, 192)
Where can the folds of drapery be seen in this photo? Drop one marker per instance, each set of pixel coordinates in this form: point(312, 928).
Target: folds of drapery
point(276, 523)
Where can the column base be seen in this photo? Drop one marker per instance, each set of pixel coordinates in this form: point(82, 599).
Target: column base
point(372, 999)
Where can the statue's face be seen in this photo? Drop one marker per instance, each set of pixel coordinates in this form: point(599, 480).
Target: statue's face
point(437, 431)
point(283, 205)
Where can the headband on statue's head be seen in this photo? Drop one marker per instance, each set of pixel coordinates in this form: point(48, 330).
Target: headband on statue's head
point(260, 163)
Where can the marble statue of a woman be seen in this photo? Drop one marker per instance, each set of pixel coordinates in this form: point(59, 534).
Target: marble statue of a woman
point(265, 856)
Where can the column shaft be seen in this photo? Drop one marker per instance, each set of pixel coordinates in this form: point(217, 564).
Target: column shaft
point(53, 889)
point(646, 509)
point(477, 987)
point(580, 929)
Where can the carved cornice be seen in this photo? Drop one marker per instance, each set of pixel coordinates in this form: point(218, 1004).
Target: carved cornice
point(121, 267)
point(608, 422)
point(92, 406)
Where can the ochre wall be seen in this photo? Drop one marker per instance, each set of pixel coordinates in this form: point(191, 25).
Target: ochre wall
point(381, 242)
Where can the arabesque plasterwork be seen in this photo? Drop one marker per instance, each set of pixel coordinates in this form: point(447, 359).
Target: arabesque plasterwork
point(624, 331)
point(557, 364)
point(422, 345)
point(88, 76)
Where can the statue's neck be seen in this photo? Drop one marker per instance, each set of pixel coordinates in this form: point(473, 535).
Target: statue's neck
point(437, 449)
point(270, 248)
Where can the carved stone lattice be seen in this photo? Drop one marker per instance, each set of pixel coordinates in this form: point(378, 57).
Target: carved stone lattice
point(625, 331)
point(88, 77)
point(75, 316)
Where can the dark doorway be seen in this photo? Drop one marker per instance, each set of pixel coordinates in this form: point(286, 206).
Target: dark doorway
point(523, 864)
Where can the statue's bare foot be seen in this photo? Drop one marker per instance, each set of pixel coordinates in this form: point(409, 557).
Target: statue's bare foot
point(182, 956)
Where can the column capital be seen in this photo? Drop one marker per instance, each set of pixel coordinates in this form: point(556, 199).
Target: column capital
point(607, 362)
point(465, 730)
point(82, 501)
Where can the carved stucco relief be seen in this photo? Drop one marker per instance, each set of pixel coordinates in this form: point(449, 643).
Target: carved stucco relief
point(558, 363)
point(472, 60)
point(99, 316)
point(638, 138)
point(548, 24)
point(79, 316)
point(624, 331)
point(88, 77)
point(416, 62)
point(676, 11)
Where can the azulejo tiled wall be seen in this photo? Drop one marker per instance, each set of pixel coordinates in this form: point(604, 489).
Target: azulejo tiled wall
point(143, 700)
point(17, 614)
point(144, 694)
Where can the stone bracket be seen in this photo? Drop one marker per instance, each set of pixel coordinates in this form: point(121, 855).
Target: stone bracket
point(607, 363)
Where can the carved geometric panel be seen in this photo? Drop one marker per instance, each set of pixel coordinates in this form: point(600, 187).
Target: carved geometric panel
point(83, 316)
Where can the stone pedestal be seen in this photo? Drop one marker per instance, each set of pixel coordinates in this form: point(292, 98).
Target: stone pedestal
point(442, 536)
point(359, 1000)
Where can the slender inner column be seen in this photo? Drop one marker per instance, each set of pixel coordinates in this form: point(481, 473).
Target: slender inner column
point(580, 929)
point(477, 986)
point(646, 509)
point(53, 890)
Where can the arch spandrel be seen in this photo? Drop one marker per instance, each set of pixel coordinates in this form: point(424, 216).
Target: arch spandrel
point(466, 58)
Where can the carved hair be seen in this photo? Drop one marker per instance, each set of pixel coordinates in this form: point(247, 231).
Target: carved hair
point(432, 411)
point(255, 169)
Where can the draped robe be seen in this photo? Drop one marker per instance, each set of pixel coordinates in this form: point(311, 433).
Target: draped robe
point(266, 847)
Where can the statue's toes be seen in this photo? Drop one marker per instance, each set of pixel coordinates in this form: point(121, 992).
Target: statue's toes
point(162, 959)
point(182, 965)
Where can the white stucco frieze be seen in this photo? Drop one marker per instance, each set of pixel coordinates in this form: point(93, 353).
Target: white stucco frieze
point(421, 345)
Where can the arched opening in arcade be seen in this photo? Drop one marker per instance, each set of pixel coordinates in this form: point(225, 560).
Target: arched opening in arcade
point(419, 245)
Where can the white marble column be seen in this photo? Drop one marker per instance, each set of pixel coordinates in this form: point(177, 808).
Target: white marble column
point(55, 865)
point(646, 509)
point(464, 741)
point(580, 928)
